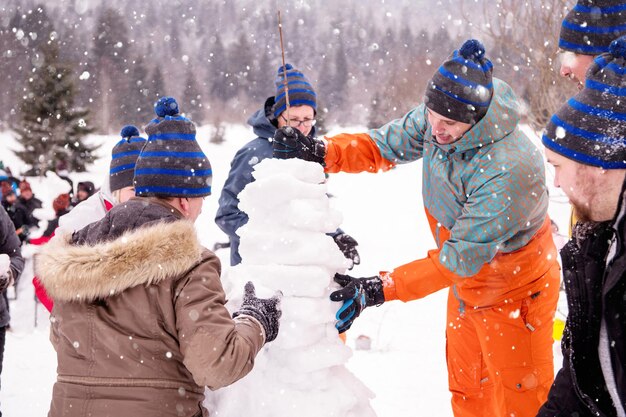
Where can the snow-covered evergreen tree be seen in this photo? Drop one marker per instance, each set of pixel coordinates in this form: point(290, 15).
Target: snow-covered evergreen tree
point(52, 129)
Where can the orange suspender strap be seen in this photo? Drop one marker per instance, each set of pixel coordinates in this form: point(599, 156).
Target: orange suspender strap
point(354, 153)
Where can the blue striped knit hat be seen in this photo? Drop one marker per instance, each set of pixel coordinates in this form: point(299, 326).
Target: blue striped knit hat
point(591, 127)
point(124, 157)
point(462, 87)
point(172, 163)
point(592, 25)
point(301, 91)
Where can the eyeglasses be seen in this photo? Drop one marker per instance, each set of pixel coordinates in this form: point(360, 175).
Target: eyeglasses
point(298, 123)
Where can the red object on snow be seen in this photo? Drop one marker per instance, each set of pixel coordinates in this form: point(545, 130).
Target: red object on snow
point(40, 291)
point(41, 294)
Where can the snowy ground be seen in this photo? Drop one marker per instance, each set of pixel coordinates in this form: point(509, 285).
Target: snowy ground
point(406, 364)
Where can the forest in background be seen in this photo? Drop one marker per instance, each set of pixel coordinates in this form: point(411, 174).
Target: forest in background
point(369, 60)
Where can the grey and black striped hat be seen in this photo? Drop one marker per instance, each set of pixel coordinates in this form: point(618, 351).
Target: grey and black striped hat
point(124, 157)
point(591, 127)
point(172, 164)
point(462, 87)
point(592, 25)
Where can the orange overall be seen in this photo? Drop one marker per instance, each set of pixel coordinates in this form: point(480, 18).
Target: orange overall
point(499, 321)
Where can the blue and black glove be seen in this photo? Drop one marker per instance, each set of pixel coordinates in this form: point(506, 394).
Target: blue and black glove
point(265, 310)
point(356, 294)
point(291, 143)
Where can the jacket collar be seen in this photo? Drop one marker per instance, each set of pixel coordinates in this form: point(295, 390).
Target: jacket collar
point(142, 256)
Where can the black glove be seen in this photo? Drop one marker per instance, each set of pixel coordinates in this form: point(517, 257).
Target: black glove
point(291, 143)
point(347, 244)
point(266, 311)
point(356, 294)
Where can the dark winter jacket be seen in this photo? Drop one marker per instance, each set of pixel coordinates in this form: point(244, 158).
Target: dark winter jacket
point(19, 216)
point(594, 292)
point(54, 223)
point(30, 205)
point(139, 323)
point(10, 245)
point(229, 218)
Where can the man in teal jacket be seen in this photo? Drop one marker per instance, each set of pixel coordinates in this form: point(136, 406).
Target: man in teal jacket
point(486, 201)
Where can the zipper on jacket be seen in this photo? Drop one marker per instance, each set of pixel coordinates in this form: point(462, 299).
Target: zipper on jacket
point(461, 302)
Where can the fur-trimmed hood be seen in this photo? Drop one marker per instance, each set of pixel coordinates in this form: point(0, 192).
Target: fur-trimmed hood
point(143, 256)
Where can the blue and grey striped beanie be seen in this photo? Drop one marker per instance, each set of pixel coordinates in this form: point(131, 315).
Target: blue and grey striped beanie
point(591, 127)
point(124, 157)
point(462, 87)
point(301, 91)
point(172, 163)
point(592, 25)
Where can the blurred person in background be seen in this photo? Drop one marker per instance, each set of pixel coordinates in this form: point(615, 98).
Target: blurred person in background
point(11, 266)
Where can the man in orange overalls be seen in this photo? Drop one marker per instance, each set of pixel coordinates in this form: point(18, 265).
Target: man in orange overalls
point(485, 197)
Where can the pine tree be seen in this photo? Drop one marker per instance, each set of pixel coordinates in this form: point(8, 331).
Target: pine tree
point(156, 86)
point(376, 118)
point(340, 77)
point(240, 64)
point(192, 99)
point(139, 102)
point(110, 46)
point(52, 129)
point(20, 38)
point(220, 89)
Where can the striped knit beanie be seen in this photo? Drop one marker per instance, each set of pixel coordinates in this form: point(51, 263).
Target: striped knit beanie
point(124, 157)
point(592, 25)
point(300, 90)
point(172, 163)
point(591, 127)
point(461, 89)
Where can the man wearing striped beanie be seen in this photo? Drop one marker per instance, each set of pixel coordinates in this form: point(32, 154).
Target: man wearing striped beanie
point(141, 274)
point(265, 122)
point(123, 159)
point(485, 198)
point(586, 143)
point(172, 163)
point(586, 31)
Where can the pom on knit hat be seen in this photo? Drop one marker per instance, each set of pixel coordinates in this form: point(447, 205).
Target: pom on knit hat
point(462, 87)
point(124, 157)
point(172, 164)
point(592, 25)
point(591, 127)
point(299, 88)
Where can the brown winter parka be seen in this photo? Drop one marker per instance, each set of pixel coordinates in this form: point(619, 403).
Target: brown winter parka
point(139, 322)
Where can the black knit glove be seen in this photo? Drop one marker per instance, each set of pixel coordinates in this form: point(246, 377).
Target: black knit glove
point(347, 244)
point(356, 294)
point(291, 143)
point(265, 310)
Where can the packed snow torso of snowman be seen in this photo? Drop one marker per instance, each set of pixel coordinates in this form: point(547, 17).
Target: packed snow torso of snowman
point(284, 247)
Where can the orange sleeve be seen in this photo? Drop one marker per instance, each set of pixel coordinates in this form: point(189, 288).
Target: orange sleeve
point(417, 279)
point(354, 153)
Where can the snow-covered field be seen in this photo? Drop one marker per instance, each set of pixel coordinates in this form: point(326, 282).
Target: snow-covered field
point(405, 366)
